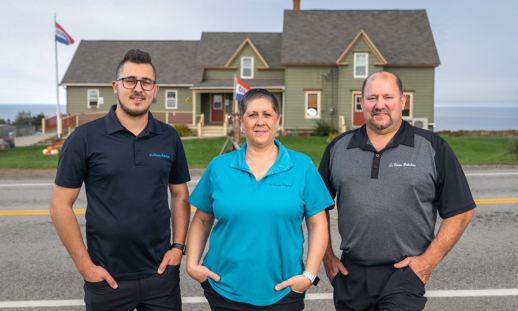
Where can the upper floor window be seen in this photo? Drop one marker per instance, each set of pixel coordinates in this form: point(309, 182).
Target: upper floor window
point(361, 64)
point(93, 98)
point(170, 99)
point(247, 67)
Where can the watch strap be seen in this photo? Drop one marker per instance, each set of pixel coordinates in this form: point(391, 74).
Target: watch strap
point(181, 247)
point(313, 278)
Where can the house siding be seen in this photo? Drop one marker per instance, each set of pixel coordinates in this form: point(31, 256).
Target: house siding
point(422, 81)
point(348, 84)
point(297, 80)
point(77, 99)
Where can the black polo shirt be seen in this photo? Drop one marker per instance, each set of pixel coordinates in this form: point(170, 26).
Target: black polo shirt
point(126, 180)
point(388, 201)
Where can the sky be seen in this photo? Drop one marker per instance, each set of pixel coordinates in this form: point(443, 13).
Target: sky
point(477, 40)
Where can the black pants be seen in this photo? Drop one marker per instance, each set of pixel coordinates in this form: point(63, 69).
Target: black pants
point(291, 302)
point(159, 292)
point(382, 288)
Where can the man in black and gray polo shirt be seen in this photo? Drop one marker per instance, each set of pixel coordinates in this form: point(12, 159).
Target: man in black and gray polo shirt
point(390, 179)
point(128, 161)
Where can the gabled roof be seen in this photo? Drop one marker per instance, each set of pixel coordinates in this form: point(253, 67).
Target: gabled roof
point(403, 37)
point(95, 62)
point(216, 49)
point(371, 45)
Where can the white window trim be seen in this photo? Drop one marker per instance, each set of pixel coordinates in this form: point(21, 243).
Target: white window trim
point(411, 114)
point(306, 93)
point(366, 65)
point(354, 101)
point(176, 96)
point(252, 68)
point(88, 98)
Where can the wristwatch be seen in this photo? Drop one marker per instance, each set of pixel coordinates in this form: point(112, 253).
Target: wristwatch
point(181, 247)
point(313, 278)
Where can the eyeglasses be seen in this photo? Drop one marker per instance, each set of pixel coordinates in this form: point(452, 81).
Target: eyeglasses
point(130, 83)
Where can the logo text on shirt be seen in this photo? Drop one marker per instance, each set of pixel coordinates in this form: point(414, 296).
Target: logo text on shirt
point(280, 185)
point(401, 164)
point(159, 155)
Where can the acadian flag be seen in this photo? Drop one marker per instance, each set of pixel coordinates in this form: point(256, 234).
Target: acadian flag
point(241, 89)
point(62, 36)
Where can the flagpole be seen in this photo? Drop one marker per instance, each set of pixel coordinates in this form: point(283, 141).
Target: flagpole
point(58, 116)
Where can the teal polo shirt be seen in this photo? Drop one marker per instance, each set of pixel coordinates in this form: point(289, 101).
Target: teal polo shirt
point(257, 241)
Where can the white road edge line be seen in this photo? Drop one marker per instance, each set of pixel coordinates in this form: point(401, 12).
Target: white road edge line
point(489, 174)
point(324, 296)
point(52, 184)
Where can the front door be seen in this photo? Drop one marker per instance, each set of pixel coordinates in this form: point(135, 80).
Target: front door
point(216, 110)
point(358, 118)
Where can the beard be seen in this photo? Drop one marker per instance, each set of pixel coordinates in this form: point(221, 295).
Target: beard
point(132, 112)
point(380, 126)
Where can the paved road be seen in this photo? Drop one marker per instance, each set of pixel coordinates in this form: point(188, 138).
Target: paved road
point(34, 265)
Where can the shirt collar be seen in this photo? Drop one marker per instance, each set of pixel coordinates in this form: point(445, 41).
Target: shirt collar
point(404, 136)
point(113, 124)
point(283, 162)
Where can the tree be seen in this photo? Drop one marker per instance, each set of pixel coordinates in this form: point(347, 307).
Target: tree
point(2, 121)
point(26, 117)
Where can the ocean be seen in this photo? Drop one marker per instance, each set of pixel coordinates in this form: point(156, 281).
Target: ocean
point(9, 111)
point(446, 118)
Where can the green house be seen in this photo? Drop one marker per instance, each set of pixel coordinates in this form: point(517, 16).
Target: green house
point(315, 67)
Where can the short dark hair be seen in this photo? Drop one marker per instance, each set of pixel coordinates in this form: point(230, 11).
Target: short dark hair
point(255, 94)
point(398, 82)
point(135, 56)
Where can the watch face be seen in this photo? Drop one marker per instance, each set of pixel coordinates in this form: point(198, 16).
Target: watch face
point(315, 282)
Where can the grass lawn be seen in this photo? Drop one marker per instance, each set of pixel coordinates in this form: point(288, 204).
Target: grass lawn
point(27, 157)
point(469, 150)
point(481, 150)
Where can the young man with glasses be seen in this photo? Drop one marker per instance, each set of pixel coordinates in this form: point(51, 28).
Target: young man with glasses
point(127, 161)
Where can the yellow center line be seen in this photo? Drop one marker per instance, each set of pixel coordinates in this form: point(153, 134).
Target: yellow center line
point(82, 211)
point(497, 201)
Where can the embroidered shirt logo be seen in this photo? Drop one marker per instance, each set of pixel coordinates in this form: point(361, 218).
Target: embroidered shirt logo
point(159, 155)
point(401, 164)
point(280, 185)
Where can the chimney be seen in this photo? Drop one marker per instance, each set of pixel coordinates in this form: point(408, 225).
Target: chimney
point(296, 5)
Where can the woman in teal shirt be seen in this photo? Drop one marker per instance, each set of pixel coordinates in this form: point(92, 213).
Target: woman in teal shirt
point(260, 195)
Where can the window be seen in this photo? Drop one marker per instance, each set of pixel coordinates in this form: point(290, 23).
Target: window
point(247, 67)
point(357, 103)
point(170, 99)
point(93, 98)
point(312, 105)
point(361, 63)
point(407, 111)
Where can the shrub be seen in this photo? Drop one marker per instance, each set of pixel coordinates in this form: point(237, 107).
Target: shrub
point(323, 128)
point(183, 129)
point(512, 147)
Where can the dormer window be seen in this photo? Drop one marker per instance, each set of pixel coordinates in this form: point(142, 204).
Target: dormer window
point(361, 63)
point(247, 67)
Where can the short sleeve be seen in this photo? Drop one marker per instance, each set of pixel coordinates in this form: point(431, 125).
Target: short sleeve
point(316, 196)
point(201, 197)
point(453, 193)
point(325, 174)
point(72, 163)
point(180, 169)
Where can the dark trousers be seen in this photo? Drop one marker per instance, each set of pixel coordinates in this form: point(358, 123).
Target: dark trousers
point(291, 302)
point(374, 288)
point(159, 292)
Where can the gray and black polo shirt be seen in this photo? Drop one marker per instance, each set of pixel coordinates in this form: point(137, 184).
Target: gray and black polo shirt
point(388, 200)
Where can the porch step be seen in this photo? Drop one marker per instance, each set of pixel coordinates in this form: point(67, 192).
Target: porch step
point(212, 131)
